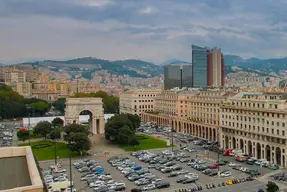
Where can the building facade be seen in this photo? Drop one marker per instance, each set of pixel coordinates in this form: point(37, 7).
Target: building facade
point(208, 67)
point(177, 75)
point(256, 122)
point(199, 66)
point(138, 101)
point(194, 112)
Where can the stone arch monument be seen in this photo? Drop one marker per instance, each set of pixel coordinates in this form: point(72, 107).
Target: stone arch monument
point(74, 106)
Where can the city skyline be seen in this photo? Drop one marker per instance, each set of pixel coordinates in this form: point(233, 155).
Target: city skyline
point(148, 30)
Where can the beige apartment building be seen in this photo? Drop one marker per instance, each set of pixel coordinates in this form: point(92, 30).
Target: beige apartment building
point(194, 112)
point(256, 123)
point(138, 101)
point(16, 79)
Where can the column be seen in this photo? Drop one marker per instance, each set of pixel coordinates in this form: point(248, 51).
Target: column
point(102, 125)
point(212, 135)
point(94, 128)
point(222, 142)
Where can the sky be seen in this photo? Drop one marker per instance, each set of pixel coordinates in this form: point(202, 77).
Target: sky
point(150, 30)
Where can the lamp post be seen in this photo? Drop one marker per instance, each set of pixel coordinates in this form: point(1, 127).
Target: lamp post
point(218, 159)
point(70, 166)
point(28, 107)
point(55, 151)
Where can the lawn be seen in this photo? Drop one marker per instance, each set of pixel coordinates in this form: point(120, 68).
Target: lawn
point(44, 150)
point(145, 142)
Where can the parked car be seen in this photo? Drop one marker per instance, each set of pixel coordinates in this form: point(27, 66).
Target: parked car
point(213, 166)
point(225, 174)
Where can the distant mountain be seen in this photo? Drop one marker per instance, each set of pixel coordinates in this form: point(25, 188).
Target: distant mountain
point(1, 65)
point(88, 65)
point(264, 65)
point(231, 59)
point(174, 61)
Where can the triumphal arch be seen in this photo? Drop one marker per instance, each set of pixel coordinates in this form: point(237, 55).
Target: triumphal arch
point(92, 105)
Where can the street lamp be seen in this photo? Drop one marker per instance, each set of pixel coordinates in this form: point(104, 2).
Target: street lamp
point(28, 107)
point(218, 158)
point(55, 151)
point(70, 165)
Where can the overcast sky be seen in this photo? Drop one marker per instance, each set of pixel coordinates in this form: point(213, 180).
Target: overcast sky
point(151, 30)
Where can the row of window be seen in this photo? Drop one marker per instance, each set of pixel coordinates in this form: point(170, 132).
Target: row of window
point(147, 95)
point(255, 136)
point(258, 105)
point(265, 114)
point(259, 129)
point(248, 119)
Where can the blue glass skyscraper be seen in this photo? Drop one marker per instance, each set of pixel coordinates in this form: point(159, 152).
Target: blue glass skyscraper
point(199, 66)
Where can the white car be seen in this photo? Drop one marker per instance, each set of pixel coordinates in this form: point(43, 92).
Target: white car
point(225, 174)
point(149, 187)
point(48, 177)
point(70, 190)
point(155, 181)
point(96, 183)
point(232, 164)
point(60, 171)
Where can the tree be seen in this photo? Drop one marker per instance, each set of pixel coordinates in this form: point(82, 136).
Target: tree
point(114, 124)
point(110, 103)
point(133, 141)
point(43, 128)
point(135, 120)
point(272, 187)
point(125, 134)
point(78, 142)
point(60, 104)
point(55, 133)
point(40, 107)
point(23, 135)
point(76, 128)
point(11, 103)
point(57, 122)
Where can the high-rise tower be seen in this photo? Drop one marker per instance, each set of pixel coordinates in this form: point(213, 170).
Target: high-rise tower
point(207, 67)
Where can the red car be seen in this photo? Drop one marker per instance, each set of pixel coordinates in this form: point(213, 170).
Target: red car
point(213, 166)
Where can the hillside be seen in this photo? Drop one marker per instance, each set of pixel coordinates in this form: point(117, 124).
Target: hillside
point(277, 65)
point(137, 68)
point(88, 65)
point(174, 61)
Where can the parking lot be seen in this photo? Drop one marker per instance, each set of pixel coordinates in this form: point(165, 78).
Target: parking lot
point(203, 179)
point(6, 134)
point(188, 167)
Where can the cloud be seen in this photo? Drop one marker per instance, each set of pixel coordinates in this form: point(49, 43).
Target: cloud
point(147, 29)
point(147, 10)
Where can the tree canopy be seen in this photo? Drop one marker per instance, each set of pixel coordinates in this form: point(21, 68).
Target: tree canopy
point(57, 122)
point(77, 137)
point(121, 129)
point(43, 128)
point(60, 104)
point(13, 105)
point(272, 187)
point(39, 107)
point(111, 103)
point(23, 135)
point(55, 133)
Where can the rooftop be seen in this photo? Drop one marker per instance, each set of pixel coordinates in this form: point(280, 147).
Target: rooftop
point(14, 173)
point(19, 171)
